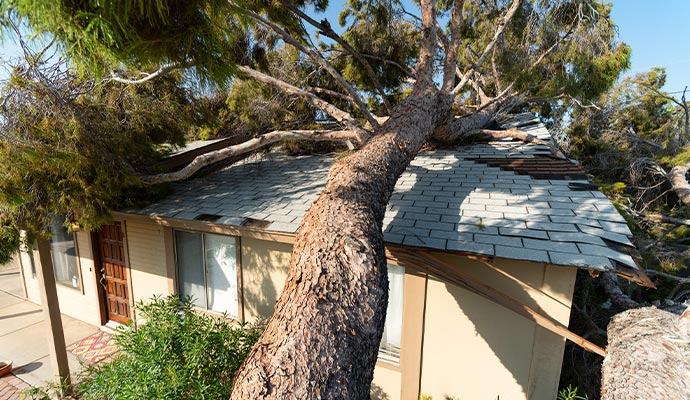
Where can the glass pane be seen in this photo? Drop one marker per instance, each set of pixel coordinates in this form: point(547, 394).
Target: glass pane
point(190, 266)
point(389, 349)
point(221, 274)
point(64, 254)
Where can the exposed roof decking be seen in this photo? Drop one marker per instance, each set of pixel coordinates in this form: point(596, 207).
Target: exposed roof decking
point(444, 200)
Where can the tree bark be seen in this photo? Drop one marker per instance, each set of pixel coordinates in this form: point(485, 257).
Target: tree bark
point(679, 183)
point(647, 356)
point(322, 339)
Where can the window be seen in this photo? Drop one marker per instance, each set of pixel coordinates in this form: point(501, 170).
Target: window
point(389, 349)
point(64, 254)
point(207, 271)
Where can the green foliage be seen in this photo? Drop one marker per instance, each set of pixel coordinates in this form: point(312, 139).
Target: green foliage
point(375, 28)
point(570, 393)
point(71, 148)
point(584, 64)
point(9, 241)
point(208, 37)
point(252, 108)
point(177, 353)
point(612, 190)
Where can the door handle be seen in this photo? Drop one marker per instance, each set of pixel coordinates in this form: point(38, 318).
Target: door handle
point(102, 279)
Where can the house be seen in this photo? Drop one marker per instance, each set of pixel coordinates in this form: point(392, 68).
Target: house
point(474, 235)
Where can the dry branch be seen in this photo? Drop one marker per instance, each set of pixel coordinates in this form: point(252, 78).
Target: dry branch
point(680, 183)
point(245, 147)
point(164, 69)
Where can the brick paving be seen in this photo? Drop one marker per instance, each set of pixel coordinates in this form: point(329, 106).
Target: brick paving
point(11, 387)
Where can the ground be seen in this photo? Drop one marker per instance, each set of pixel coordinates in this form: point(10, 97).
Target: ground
point(23, 337)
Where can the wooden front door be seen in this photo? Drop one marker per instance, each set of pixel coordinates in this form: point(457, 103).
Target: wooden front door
point(114, 272)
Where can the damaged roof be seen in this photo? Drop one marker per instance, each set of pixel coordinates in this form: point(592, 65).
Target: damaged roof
point(504, 198)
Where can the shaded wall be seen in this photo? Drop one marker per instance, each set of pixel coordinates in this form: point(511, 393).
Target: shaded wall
point(146, 247)
point(79, 303)
point(476, 349)
point(264, 270)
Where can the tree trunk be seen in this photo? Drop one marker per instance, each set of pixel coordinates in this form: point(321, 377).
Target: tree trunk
point(322, 340)
point(647, 356)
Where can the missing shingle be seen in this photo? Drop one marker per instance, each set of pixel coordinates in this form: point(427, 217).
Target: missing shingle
point(255, 223)
point(537, 167)
point(207, 217)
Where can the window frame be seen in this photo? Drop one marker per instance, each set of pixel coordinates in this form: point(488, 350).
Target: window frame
point(80, 287)
point(238, 272)
point(388, 361)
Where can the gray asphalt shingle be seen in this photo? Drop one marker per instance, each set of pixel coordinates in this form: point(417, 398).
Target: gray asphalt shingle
point(444, 200)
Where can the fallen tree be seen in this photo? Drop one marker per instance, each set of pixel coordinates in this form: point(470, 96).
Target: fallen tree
point(322, 340)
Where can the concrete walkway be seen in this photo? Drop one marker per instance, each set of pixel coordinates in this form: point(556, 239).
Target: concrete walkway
point(23, 334)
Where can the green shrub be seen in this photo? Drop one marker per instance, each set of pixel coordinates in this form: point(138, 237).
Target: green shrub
point(176, 353)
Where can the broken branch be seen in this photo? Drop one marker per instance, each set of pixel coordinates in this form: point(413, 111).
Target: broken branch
point(164, 69)
point(519, 135)
point(245, 147)
point(679, 182)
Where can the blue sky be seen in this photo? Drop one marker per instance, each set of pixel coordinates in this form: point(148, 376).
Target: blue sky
point(658, 32)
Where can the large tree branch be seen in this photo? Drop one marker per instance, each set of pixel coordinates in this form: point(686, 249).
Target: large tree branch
point(609, 282)
point(164, 69)
point(679, 182)
point(250, 145)
point(489, 47)
point(328, 32)
point(427, 47)
point(519, 135)
point(451, 61)
point(320, 61)
point(340, 115)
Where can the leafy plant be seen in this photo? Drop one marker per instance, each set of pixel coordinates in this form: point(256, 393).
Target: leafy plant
point(570, 393)
point(177, 353)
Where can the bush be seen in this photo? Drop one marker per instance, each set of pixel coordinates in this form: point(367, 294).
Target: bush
point(176, 354)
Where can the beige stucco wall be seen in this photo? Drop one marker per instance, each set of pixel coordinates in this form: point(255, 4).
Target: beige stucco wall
point(146, 249)
point(264, 269)
point(476, 349)
point(78, 303)
point(386, 384)
point(471, 347)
